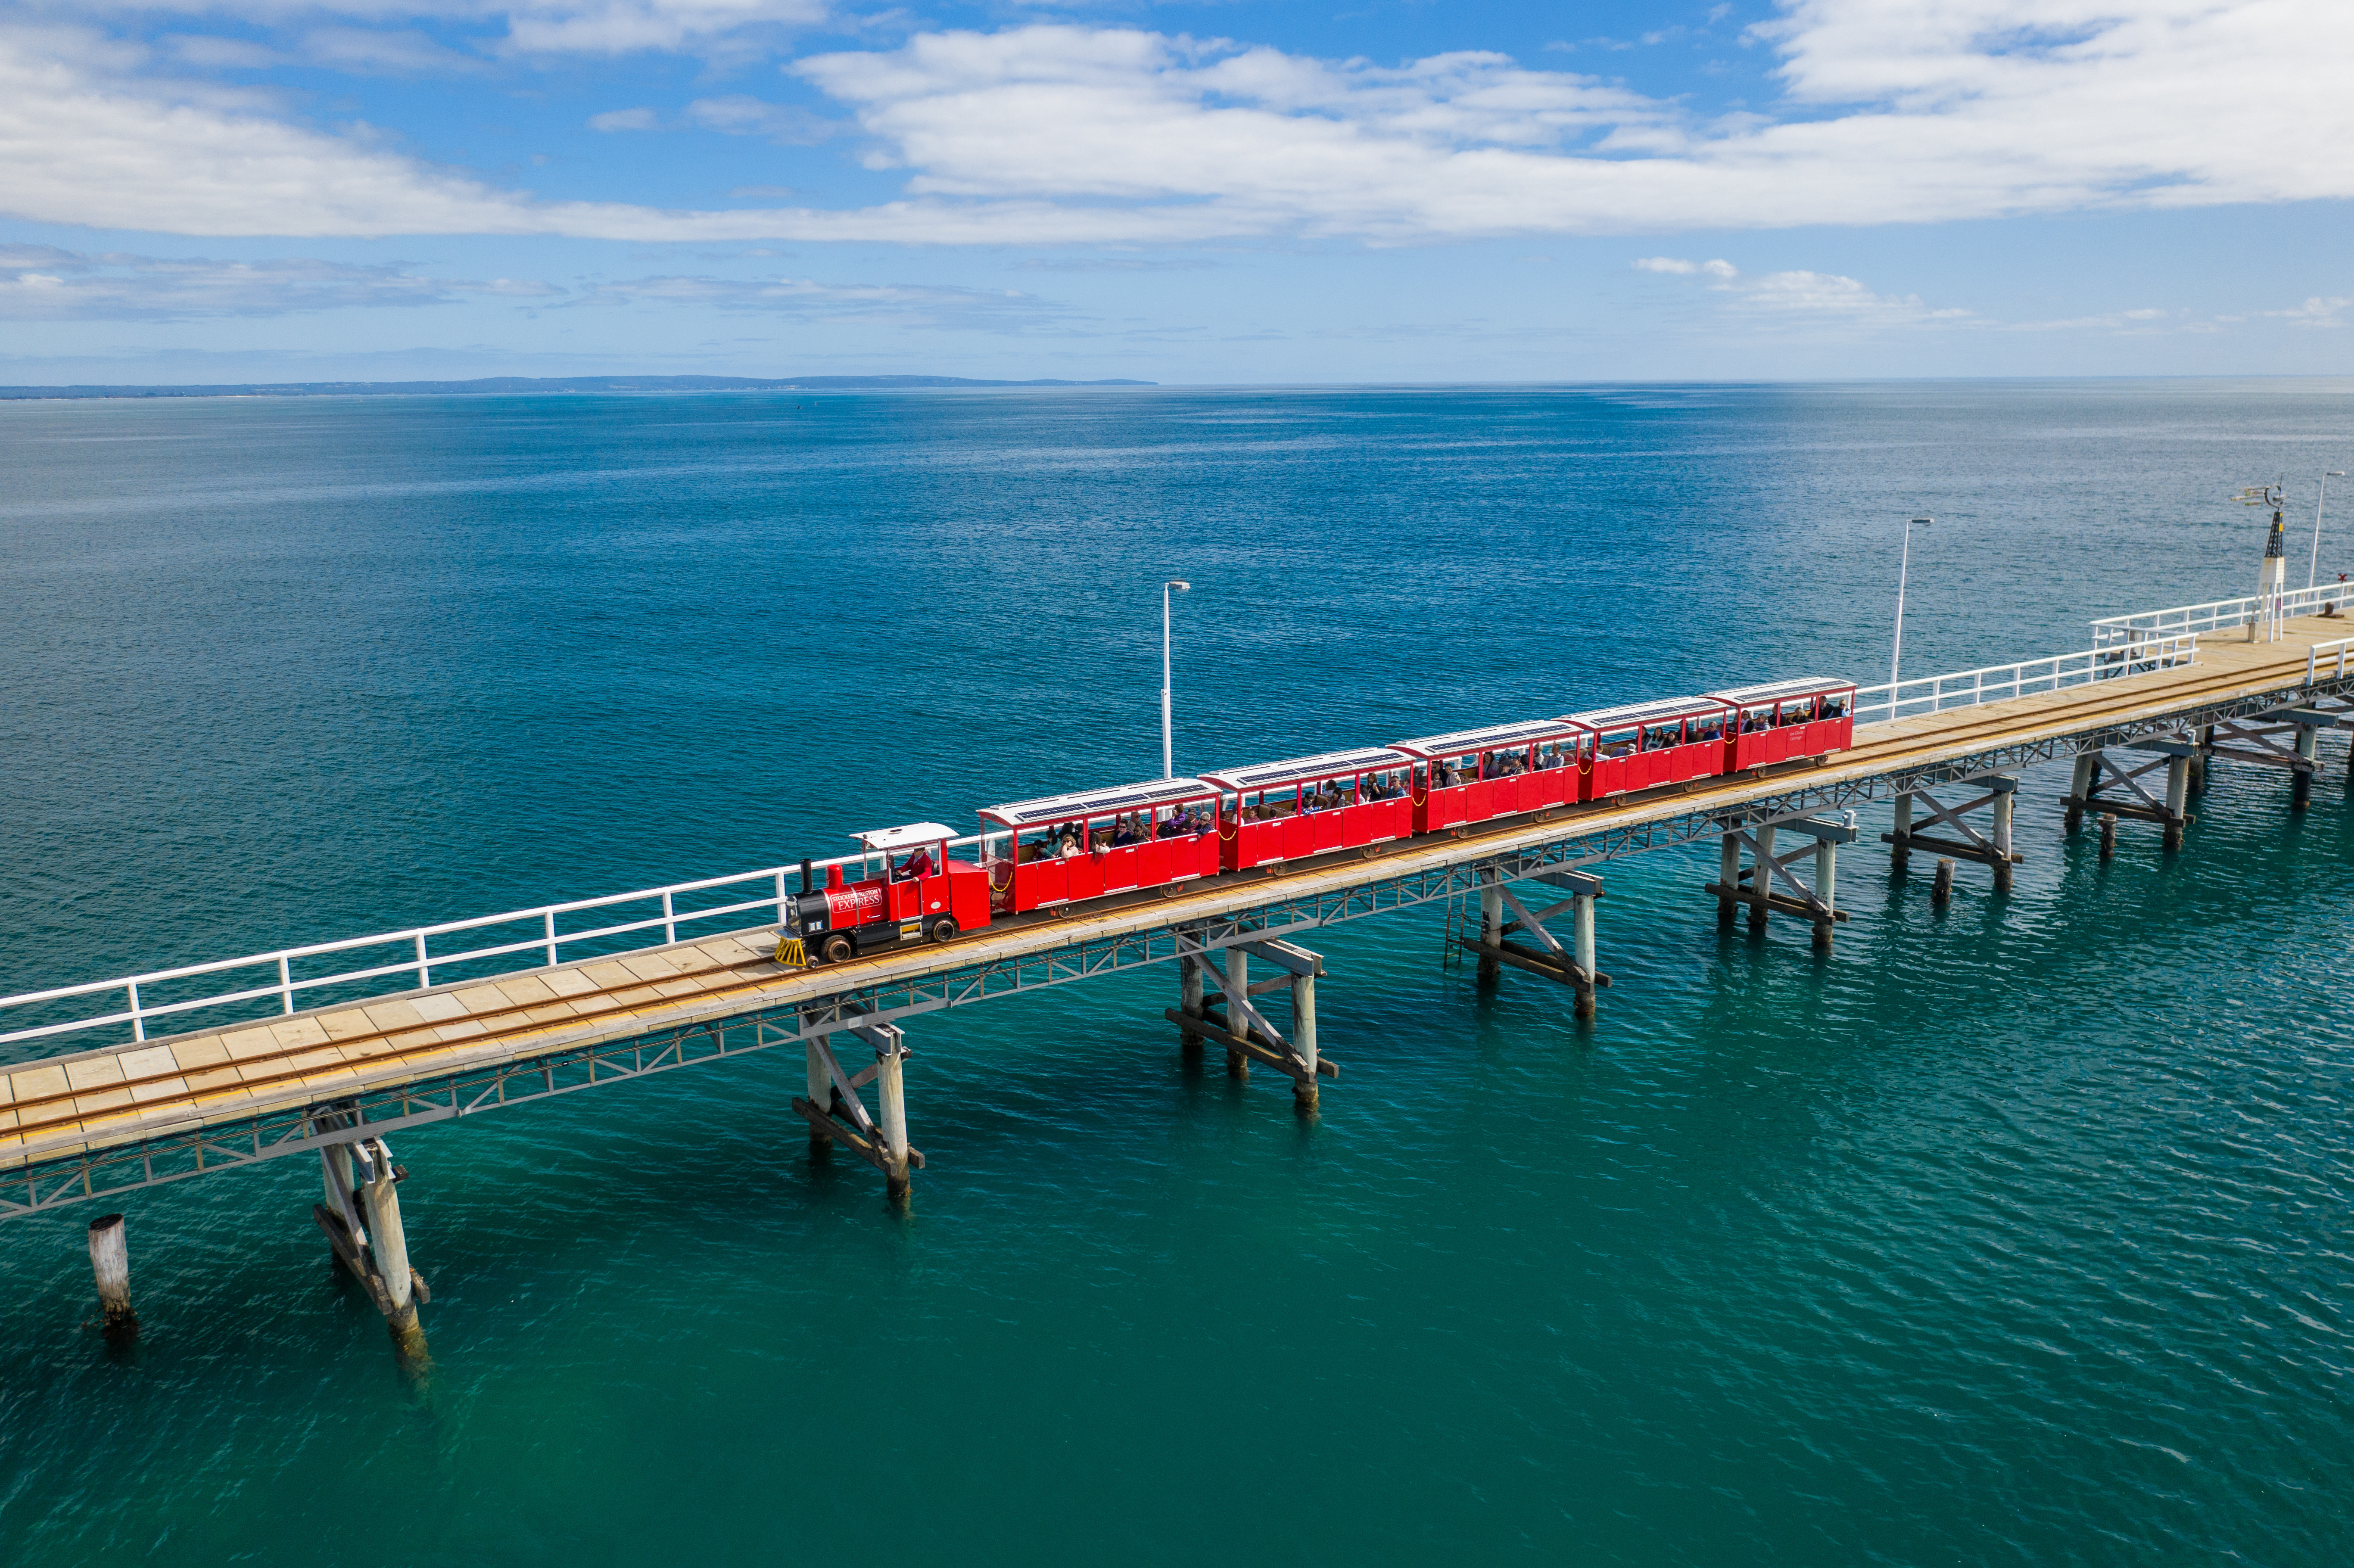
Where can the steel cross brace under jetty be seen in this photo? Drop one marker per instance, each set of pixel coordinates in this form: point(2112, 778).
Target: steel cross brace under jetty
point(96, 1123)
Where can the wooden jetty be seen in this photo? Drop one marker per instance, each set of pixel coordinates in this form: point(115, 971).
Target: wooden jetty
point(338, 1079)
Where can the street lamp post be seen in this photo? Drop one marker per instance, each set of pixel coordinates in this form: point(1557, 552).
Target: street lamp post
point(2313, 572)
point(1168, 749)
point(1904, 566)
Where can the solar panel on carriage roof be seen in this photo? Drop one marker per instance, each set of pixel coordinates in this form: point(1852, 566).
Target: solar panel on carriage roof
point(1302, 769)
point(1634, 713)
point(1091, 802)
point(1460, 742)
point(1776, 690)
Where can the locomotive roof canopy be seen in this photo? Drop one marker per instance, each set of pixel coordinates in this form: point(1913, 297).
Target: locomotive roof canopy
point(1302, 769)
point(1633, 715)
point(900, 838)
point(1776, 690)
point(1095, 802)
point(1456, 742)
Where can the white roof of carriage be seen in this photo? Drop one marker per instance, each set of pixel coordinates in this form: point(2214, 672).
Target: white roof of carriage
point(1774, 691)
point(1632, 715)
point(1457, 742)
point(1095, 802)
point(1302, 769)
point(900, 838)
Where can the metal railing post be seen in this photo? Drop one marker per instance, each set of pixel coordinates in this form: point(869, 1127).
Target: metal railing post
point(424, 971)
point(551, 936)
point(138, 1023)
point(670, 919)
point(285, 983)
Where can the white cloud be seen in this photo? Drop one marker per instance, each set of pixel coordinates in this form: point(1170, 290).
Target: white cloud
point(45, 283)
point(2317, 311)
point(1679, 267)
point(533, 26)
point(363, 51)
point(1800, 296)
point(1055, 134)
point(625, 120)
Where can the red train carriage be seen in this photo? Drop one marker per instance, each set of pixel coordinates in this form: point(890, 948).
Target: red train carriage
point(1645, 744)
point(1788, 719)
point(1341, 799)
point(1472, 774)
point(919, 895)
point(1043, 852)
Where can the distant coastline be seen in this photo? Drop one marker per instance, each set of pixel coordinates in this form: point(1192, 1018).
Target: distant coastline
point(511, 383)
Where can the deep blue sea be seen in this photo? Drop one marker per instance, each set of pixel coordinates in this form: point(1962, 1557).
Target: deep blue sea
point(2013, 1233)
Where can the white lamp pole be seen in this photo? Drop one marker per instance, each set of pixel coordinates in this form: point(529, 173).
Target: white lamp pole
point(1168, 751)
point(1904, 566)
point(2314, 571)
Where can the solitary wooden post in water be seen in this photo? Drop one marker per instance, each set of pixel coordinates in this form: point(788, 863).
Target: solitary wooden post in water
point(2109, 835)
point(1901, 839)
point(110, 1260)
point(1942, 890)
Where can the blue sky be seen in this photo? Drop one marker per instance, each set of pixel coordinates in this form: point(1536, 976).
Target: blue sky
point(1280, 192)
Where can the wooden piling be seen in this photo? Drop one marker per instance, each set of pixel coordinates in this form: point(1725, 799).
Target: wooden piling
point(110, 1262)
point(1491, 923)
point(1582, 950)
point(1303, 1040)
point(1189, 1002)
point(1728, 877)
point(2178, 791)
point(1942, 890)
point(1826, 889)
point(1901, 839)
point(2301, 785)
point(2080, 789)
point(2109, 835)
point(890, 1085)
point(1761, 881)
point(2002, 864)
point(821, 1090)
point(1238, 976)
point(389, 1243)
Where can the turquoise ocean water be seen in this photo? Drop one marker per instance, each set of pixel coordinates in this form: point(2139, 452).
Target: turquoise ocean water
point(2013, 1234)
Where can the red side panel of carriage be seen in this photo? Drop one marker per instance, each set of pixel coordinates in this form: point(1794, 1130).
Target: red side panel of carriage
point(1644, 746)
point(1302, 830)
point(1024, 875)
point(1504, 770)
point(1789, 721)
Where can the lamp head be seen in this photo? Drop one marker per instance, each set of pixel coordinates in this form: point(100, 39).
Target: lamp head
point(1919, 522)
point(1175, 583)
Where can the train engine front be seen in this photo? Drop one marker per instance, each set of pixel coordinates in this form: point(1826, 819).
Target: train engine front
point(906, 891)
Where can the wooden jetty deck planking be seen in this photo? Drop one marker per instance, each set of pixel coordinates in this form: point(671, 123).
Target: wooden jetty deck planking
point(120, 1096)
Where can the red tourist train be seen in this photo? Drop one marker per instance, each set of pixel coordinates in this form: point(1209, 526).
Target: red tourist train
point(1064, 850)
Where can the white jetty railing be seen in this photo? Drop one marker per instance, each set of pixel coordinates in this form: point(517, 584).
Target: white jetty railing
point(537, 931)
point(2222, 615)
point(1884, 704)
